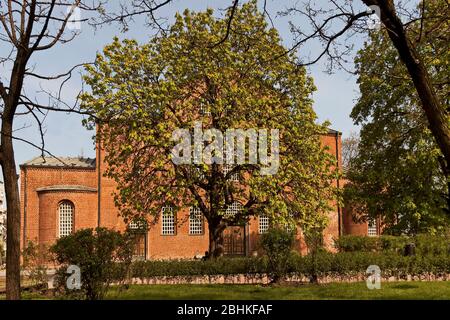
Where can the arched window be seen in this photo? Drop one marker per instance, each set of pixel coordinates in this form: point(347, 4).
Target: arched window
point(65, 213)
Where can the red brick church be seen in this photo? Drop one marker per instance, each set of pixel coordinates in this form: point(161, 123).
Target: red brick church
point(57, 199)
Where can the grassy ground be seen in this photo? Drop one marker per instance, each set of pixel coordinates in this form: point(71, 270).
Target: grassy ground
point(334, 291)
point(394, 290)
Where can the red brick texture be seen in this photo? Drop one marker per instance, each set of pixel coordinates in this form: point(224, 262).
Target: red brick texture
point(40, 210)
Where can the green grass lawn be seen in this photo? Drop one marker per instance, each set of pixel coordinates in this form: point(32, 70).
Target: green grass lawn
point(334, 291)
point(393, 290)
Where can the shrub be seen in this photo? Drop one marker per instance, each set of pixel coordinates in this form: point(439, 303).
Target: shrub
point(35, 258)
point(425, 244)
point(351, 243)
point(187, 268)
point(277, 244)
point(102, 255)
point(432, 245)
point(326, 263)
point(2, 254)
point(392, 243)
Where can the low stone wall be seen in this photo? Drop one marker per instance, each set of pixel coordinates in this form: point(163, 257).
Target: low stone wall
point(264, 279)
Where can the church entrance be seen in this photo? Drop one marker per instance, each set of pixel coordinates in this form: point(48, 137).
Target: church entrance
point(234, 241)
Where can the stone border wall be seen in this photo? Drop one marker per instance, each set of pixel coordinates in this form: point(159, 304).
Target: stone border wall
point(264, 279)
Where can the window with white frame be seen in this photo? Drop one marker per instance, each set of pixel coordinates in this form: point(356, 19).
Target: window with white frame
point(232, 210)
point(137, 225)
point(195, 221)
point(168, 221)
point(65, 215)
point(263, 224)
point(372, 230)
point(227, 168)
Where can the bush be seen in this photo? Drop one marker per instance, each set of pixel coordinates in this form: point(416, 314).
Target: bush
point(188, 268)
point(277, 244)
point(424, 244)
point(350, 243)
point(102, 255)
point(432, 245)
point(2, 255)
point(326, 264)
point(35, 258)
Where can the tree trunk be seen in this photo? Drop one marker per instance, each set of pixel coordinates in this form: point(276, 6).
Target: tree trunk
point(215, 240)
point(13, 213)
point(435, 113)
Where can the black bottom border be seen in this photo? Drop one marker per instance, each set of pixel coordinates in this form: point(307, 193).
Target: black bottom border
point(224, 309)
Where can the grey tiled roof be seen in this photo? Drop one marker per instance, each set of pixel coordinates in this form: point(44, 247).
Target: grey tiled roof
point(68, 162)
point(332, 131)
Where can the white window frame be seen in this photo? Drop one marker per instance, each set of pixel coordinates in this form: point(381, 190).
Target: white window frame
point(232, 210)
point(137, 225)
point(168, 220)
point(66, 211)
point(195, 221)
point(263, 224)
point(372, 228)
point(227, 168)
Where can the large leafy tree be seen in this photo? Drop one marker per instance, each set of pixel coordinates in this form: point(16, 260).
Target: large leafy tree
point(400, 173)
point(141, 94)
point(332, 20)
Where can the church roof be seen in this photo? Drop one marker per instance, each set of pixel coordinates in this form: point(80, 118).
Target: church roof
point(332, 131)
point(63, 162)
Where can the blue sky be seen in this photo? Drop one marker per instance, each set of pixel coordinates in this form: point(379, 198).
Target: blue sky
point(64, 134)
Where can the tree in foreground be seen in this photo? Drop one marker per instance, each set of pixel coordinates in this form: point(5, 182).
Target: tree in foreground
point(277, 243)
point(27, 28)
point(333, 23)
point(189, 78)
point(399, 173)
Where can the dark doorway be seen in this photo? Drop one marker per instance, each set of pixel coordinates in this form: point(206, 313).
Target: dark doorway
point(234, 241)
point(139, 246)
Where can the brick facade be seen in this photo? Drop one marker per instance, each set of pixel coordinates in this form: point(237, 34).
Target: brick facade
point(45, 184)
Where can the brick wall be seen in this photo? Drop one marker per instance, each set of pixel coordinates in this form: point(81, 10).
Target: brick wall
point(41, 210)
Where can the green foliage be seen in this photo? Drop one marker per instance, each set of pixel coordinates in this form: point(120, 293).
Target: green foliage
point(142, 93)
point(350, 243)
point(2, 254)
point(102, 255)
point(35, 258)
point(187, 268)
point(424, 244)
point(432, 245)
point(277, 244)
point(399, 173)
point(326, 264)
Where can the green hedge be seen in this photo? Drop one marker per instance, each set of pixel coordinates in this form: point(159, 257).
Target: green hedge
point(425, 244)
point(224, 266)
point(344, 264)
